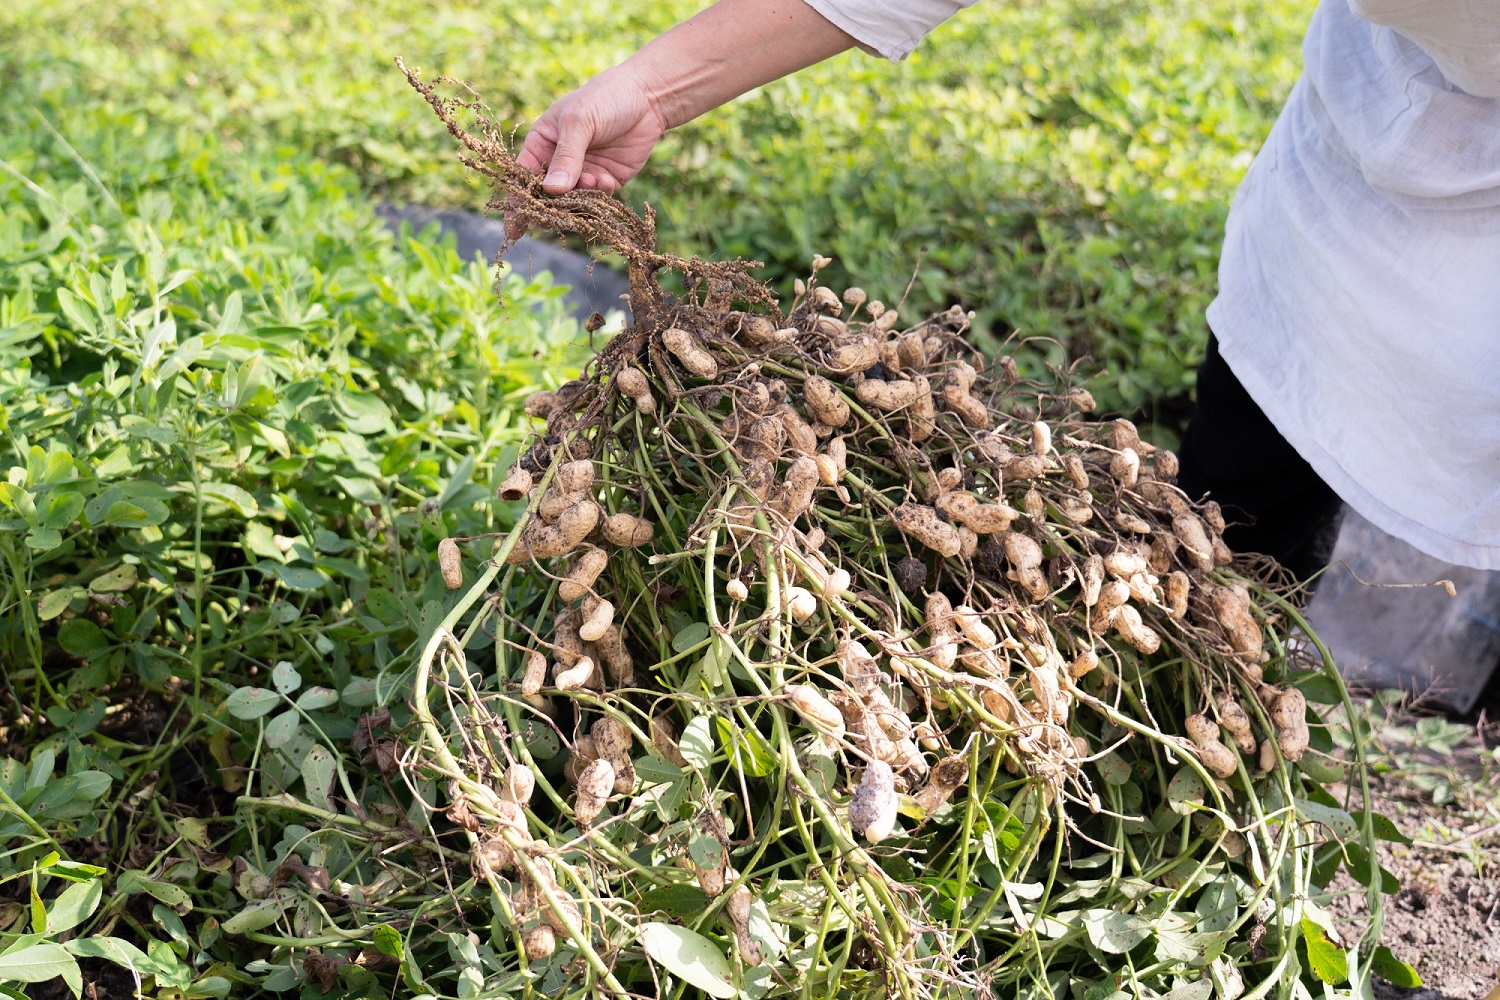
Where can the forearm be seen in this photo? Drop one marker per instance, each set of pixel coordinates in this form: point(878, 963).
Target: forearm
point(729, 49)
point(599, 136)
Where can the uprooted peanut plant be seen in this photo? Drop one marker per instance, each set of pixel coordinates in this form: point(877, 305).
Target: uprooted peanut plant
point(833, 658)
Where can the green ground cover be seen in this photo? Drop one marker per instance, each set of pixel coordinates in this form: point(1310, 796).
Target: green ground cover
point(237, 416)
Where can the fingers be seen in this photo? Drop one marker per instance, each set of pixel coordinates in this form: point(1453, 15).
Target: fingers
point(531, 158)
point(575, 133)
point(541, 142)
point(560, 145)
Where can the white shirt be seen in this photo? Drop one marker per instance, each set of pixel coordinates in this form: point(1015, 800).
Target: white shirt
point(1359, 285)
point(891, 28)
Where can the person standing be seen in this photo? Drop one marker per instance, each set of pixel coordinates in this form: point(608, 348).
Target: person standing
point(1355, 347)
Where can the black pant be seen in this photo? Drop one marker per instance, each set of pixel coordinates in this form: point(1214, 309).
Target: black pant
point(1272, 500)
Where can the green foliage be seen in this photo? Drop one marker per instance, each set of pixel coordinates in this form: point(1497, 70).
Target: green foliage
point(1393, 970)
point(237, 417)
point(1064, 168)
point(1326, 958)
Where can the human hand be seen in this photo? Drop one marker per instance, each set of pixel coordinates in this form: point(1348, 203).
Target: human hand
point(596, 138)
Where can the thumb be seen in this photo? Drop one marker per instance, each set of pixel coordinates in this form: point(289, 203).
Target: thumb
point(575, 131)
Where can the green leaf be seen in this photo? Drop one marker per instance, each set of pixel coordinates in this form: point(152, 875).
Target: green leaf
point(364, 413)
point(315, 698)
point(746, 748)
point(1383, 827)
point(74, 905)
point(1328, 961)
point(1004, 827)
point(1112, 769)
point(59, 465)
point(1339, 823)
point(73, 871)
point(706, 851)
point(1201, 990)
point(1321, 769)
point(400, 455)
point(1114, 932)
point(251, 702)
point(302, 578)
point(170, 893)
point(679, 900)
point(1318, 687)
point(1359, 864)
point(55, 602)
point(20, 501)
point(258, 915)
point(229, 318)
point(77, 310)
point(697, 743)
point(43, 539)
point(360, 491)
point(116, 950)
point(284, 979)
point(1185, 791)
point(232, 496)
point(282, 728)
point(38, 912)
point(1387, 966)
point(361, 692)
point(140, 427)
point(209, 986)
point(462, 473)
point(1218, 906)
point(383, 606)
point(388, 940)
point(1105, 991)
point(116, 581)
point(1326, 862)
point(690, 957)
point(63, 509)
point(277, 441)
point(318, 770)
point(40, 962)
point(68, 797)
point(654, 770)
point(284, 677)
point(82, 638)
point(284, 612)
point(690, 636)
point(88, 786)
point(128, 505)
point(124, 514)
point(40, 774)
point(541, 738)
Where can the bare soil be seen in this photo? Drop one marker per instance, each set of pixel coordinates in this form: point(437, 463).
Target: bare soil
point(1445, 920)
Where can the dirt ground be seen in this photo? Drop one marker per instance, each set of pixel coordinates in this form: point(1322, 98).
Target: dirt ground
point(1438, 780)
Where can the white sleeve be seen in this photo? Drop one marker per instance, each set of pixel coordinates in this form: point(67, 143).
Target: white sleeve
point(1462, 39)
point(890, 28)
